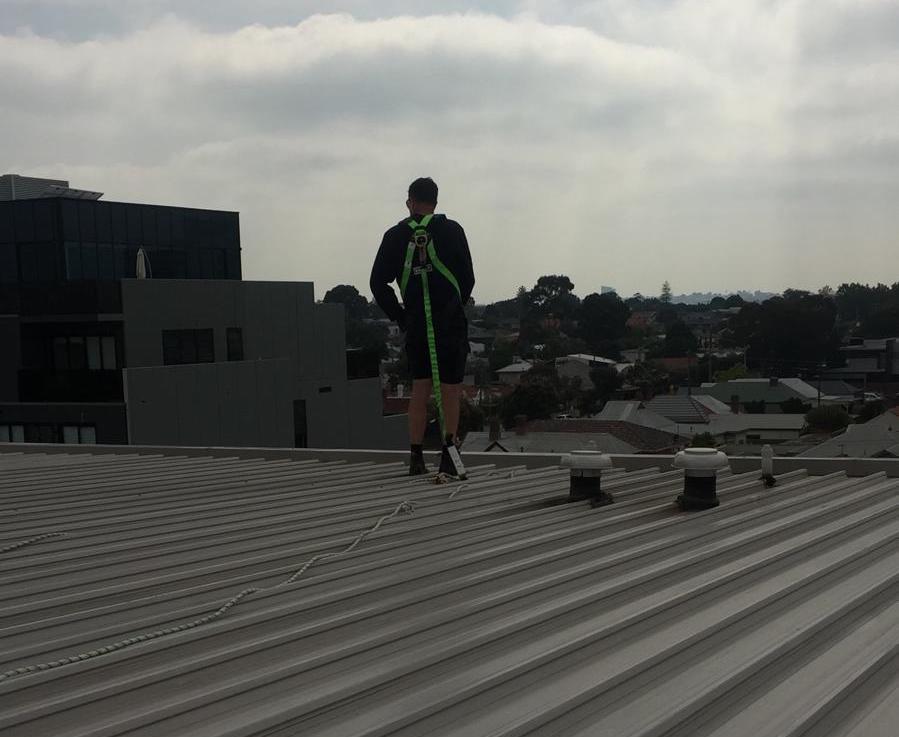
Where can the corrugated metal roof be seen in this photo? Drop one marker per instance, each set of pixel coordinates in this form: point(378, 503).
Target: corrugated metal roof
point(486, 612)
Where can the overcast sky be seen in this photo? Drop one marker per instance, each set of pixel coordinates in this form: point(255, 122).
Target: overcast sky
point(718, 144)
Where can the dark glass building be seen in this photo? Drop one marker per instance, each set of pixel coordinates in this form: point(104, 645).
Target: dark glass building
point(62, 260)
point(78, 249)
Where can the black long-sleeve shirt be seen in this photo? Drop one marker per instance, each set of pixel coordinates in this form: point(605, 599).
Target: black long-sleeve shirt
point(452, 249)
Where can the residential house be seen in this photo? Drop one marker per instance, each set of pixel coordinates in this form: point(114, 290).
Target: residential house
point(512, 373)
point(579, 366)
point(876, 438)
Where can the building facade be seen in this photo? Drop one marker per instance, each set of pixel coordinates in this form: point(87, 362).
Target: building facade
point(191, 356)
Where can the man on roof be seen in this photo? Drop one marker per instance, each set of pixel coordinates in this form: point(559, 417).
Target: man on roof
point(427, 256)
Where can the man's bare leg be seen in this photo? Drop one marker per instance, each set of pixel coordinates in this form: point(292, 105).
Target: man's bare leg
point(418, 410)
point(452, 394)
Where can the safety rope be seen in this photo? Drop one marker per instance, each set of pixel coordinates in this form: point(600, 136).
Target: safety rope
point(31, 541)
point(404, 507)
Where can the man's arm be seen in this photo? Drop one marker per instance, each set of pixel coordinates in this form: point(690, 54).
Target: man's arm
point(465, 277)
point(382, 274)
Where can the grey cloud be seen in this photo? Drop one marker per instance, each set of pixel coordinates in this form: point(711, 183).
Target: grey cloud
point(622, 142)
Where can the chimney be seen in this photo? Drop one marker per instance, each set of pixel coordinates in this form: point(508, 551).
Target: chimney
point(586, 476)
point(735, 403)
point(772, 381)
point(700, 477)
point(399, 390)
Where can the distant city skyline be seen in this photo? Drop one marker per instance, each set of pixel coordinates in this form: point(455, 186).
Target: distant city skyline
point(716, 145)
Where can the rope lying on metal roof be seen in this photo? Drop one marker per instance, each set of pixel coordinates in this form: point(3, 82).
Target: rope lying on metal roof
point(404, 507)
point(31, 541)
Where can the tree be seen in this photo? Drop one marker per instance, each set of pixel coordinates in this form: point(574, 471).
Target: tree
point(794, 406)
point(355, 304)
point(665, 296)
point(646, 378)
point(827, 418)
point(679, 340)
point(869, 411)
point(787, 333)
point(704, 440)
point(537, 399)
point(602, 321)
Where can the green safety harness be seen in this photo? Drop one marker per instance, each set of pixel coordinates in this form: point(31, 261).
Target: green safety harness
point(422, 243)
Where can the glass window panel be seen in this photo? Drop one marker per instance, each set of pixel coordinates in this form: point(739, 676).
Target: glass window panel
point(188, 346)
point(164, 226)
point(73, 262)
point(120, 255)
point(70, 231)
point(6, 216)
point(45, 259)
point(162, 264)
point(148, 218)
point(119, 222)
point(89, 260)
point(77, 354)
point(109, 353)
point(24, 219)
point(60, 354)
point(94, 360)
point(102, 213)
point(179, 264)
point(134, 224)
point(105, 261)
point(178, 234)
point(4, 434)
point(18, 433)
point(28, 266)
point(44, 212)
point(207, 264)
point(9, 268)
point(89, 435)
point(86, 220)
point(218, 263)
point(70, 434)
point(205, 346)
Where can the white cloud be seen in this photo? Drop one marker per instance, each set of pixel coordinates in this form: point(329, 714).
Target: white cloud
point(706, 142)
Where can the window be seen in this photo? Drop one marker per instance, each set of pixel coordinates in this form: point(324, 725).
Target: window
point(73, 262)
point(79, 435)
point(9, 270)
point(12, 433)
point(89, 260)
point(108, 352)
point(76, 353)
point(235, 344)
point(105, 261)
point(187, 346)
point(94, 361)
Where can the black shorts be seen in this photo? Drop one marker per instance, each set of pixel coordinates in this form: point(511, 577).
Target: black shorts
point(452, 353)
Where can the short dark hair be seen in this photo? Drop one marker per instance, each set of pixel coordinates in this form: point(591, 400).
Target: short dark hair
point(423, 189)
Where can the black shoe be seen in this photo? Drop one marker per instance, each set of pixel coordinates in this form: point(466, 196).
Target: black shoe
point(417, 465)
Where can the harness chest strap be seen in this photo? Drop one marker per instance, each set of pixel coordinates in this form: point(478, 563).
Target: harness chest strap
point(419, 231)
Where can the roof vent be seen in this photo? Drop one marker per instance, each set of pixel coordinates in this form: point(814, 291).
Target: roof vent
point(768, 466)
point(700, 477)
point(586, 476)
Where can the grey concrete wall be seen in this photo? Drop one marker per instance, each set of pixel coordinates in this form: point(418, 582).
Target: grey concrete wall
point(278, 319)
point(10, 358)
point(238, 403)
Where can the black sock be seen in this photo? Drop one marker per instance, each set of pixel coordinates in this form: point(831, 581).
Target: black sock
point(416, 449)
point(448, 440)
